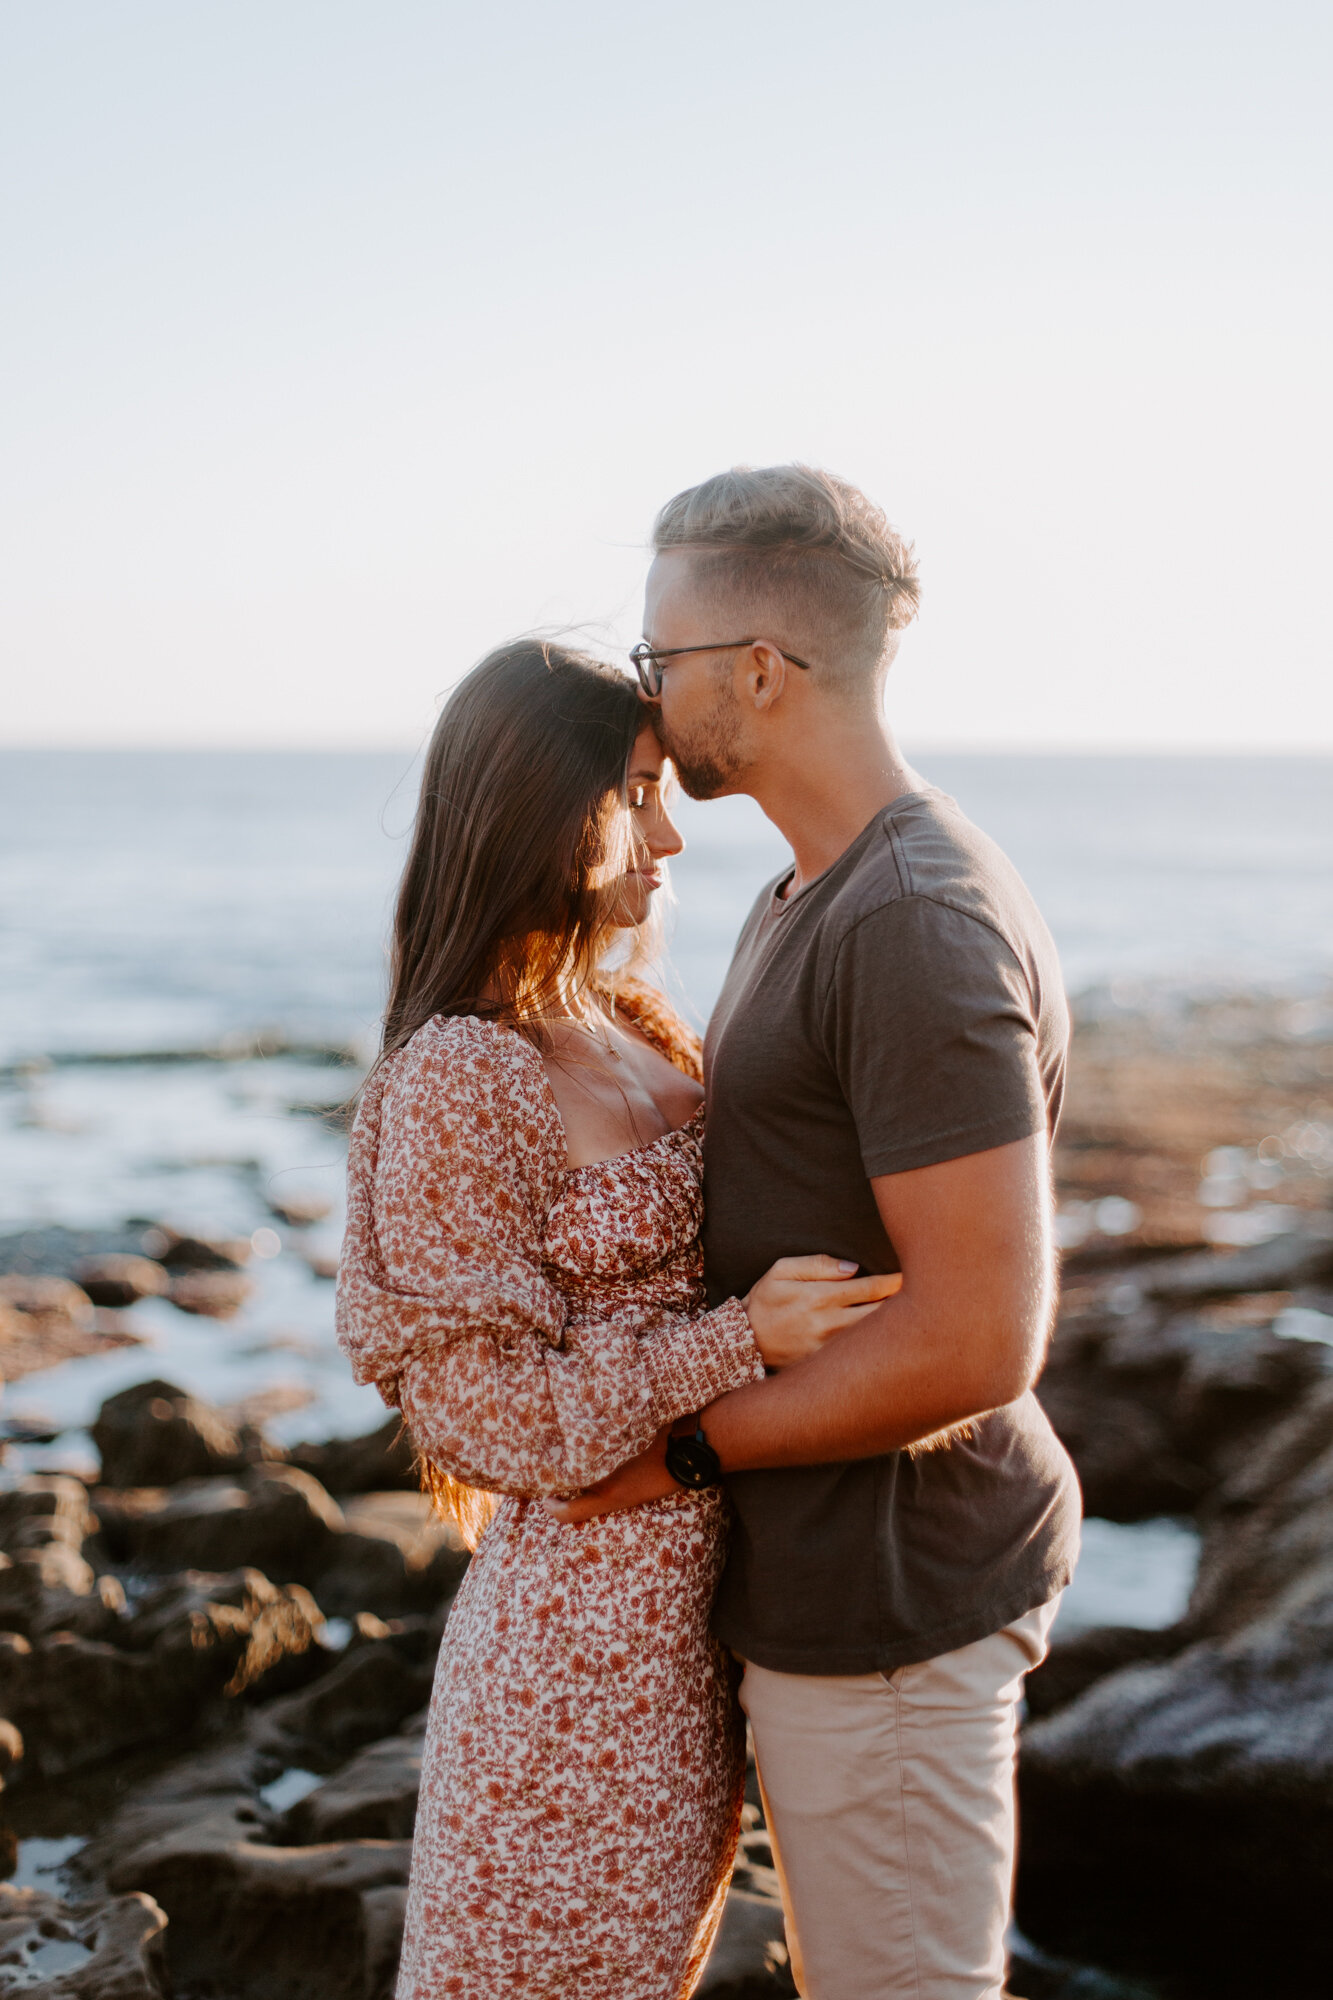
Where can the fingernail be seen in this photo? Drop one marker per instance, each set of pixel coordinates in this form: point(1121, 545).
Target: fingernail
point(846, 1264)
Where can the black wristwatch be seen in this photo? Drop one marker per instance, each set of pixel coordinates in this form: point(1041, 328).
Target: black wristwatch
point(691, 1460)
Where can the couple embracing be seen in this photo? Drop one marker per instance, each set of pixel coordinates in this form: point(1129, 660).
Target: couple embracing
point(722, 1358)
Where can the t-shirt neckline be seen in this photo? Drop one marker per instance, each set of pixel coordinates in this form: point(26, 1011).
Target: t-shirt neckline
point(779, 905)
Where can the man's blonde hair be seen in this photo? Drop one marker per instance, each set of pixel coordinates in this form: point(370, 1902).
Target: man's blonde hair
point(804, 548)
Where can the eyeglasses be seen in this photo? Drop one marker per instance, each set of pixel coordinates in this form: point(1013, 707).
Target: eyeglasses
point(648, 660)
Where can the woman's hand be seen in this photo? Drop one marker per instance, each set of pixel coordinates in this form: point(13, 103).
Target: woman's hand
point(801, 1301)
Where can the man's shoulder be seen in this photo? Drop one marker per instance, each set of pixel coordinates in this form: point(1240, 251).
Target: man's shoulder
point(925, 849)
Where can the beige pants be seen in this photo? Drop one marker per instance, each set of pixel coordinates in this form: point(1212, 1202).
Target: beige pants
point(890, 1801)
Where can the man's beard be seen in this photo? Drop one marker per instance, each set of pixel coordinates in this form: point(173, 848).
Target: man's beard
point(708, 759)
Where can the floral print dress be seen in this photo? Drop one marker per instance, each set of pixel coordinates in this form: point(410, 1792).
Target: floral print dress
point(537, 1324)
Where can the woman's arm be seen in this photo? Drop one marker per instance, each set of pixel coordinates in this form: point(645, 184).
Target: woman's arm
point(443, 1301)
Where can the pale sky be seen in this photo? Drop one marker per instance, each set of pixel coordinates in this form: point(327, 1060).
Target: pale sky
point(340, 339)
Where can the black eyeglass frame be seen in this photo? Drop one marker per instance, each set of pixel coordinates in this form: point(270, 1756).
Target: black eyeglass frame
point(646, 659)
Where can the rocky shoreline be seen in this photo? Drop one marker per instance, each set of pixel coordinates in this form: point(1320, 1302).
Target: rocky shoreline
point(215, 1653)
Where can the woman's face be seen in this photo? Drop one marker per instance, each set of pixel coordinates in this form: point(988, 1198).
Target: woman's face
point(654, 835)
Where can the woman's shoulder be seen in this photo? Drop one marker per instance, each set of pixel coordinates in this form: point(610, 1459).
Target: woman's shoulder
point(476, 1076)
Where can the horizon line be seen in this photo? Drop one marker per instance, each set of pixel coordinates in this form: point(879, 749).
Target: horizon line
point(925, 747)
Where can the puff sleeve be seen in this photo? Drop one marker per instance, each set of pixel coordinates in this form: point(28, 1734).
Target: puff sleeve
point(443, 1299)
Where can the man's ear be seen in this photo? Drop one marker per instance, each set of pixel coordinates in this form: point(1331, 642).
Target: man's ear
point(763, 673)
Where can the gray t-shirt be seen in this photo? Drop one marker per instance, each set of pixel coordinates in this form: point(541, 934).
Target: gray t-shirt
point(903, 1009)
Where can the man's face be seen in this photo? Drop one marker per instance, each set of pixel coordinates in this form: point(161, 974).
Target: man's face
point(698, 718)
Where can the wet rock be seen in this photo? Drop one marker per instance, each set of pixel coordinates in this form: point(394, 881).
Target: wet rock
point(374, 1797)
point(32, 1341)
point(1156, 1408)
point(155, 1434)
point(749, 1959)
point(117, 1279)
point(274, 1516)
point(44, 1522)
point(1074, 1664)
point(395, 1555)
point(372, 1690)
point(77, 1701)
point(247, 1914)
point(304, 1923)
point(386, 1553)
point(1033, 1975)
point(299, 1211)
point(110, 1950)
point(46, 1298)
point(11, 1750)
point(380, 1461)
point(1192, 1799)
point(1282, 1264)
point(217, 1294)
point(197, 1253)
point(44, 1320)
point(32, 1604)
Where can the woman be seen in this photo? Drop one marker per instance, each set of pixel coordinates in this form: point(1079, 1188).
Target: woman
point(522, 1279)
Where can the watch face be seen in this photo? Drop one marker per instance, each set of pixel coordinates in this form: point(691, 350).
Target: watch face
point(692, 1461)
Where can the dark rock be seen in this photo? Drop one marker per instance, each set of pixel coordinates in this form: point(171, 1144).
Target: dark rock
point(109, 1950)
point(11, 1750)
point(1074, 1664)
point(42, 1297)
point(44, 1522)
point(77, 1701)
point(278, 1923)
point(381, 1461)
point(387, 1553)
point(373, 1689)
point(374, 1797)
point(155, 1434)
point(749, 1959)
point(274, 1516)
point(299, 1211)
point(1191, 1801)
point(117, 1280)
point(1281, 1265)
point(195, 1253)
point(210, 1294)
point(32, 1603)
point(1035, 1976)
point(395, 1555)
point(1156, 1410)
point(248, 1916)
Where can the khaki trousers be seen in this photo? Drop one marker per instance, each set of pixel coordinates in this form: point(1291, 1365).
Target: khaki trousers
point(890, 1802)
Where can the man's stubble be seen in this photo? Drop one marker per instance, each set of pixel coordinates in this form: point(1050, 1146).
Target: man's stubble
point(707, 758)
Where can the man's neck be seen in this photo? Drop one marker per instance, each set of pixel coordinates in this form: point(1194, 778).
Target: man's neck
point(823, 797)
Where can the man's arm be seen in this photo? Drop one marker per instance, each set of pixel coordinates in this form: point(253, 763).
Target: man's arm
point(966, 1334)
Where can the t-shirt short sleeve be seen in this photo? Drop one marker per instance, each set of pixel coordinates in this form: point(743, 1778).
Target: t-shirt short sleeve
point(930, 1023)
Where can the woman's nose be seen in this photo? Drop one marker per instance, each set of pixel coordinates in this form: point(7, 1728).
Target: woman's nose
point(665, 837)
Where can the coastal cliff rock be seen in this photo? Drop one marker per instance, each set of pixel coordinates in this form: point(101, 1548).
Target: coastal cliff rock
point(1186, 1777)
point(77, 1701)
point(386, 1553)
point(111, 1950)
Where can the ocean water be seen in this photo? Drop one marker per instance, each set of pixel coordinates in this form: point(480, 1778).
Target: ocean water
point(156, 900)
point(158, 905)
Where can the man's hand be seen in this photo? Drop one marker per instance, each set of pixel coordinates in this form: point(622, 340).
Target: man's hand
point(639, 1479)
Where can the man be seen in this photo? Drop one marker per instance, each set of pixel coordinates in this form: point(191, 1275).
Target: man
point(884, 1070)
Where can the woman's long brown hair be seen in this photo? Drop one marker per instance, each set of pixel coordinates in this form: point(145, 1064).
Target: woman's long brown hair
point(507, 903)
